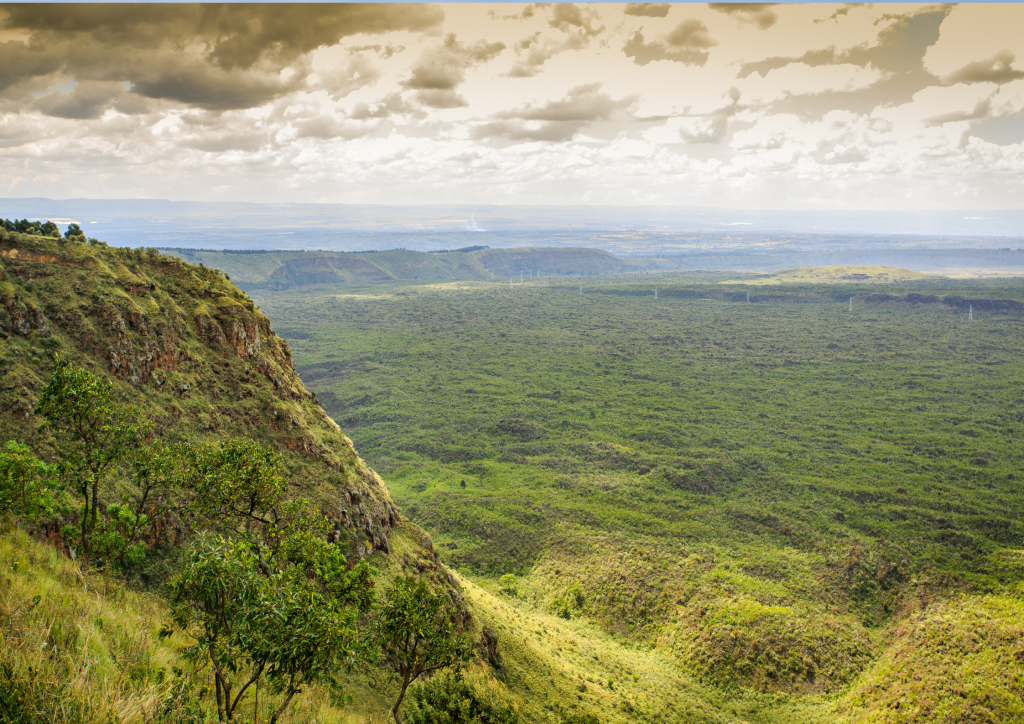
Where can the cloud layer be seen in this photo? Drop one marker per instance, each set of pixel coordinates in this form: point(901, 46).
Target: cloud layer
point(746, 105)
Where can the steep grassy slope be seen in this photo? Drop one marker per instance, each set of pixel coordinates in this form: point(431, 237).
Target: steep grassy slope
point(761, 491)
point(82, 650)
point(198, 358)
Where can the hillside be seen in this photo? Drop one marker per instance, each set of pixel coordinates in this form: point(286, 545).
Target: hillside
point(186, 346)
point(281, 270)
point(197, 356)
point(200, 361)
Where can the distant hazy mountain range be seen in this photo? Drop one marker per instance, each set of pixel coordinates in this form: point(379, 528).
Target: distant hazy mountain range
point(281, 270)
point(630, 231)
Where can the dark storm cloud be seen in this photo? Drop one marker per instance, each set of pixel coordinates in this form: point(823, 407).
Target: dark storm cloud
point(215, 89)
point(442, 69)
point(237, 35)
point(648, 10)
point(899, 53)
point(900, 48)
point(19, 62)
point(759, 14)
point(686, 43)
point(211, 56)
point(556, 121)
point(997, 69)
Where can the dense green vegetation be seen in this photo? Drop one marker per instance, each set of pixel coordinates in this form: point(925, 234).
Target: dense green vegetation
point(761, 490)
point(670, 506)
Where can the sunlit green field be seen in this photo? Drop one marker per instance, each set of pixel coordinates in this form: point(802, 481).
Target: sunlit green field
point(759, 490)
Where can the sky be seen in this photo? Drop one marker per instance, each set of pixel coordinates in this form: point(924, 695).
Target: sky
point(808, 106)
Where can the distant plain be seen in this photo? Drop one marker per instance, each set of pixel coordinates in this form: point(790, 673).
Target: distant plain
point(767, 492)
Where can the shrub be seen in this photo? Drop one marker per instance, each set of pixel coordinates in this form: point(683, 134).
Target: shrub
point(449, 698)
point(508, 584)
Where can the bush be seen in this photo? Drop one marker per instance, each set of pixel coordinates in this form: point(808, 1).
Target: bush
point(22, 481)
point(508, 584)
point(449, 698)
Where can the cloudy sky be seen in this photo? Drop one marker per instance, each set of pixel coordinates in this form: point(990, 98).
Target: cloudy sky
point(807, 106)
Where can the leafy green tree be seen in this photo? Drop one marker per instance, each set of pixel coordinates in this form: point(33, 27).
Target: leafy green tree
point(449, 698)
point(416, 633)
point(73, 231)
point(20, 476)
point(292, 624)
point(95, 435)
point(268, 598)
point(233, 486)
point(211, 599)
point(155, 487)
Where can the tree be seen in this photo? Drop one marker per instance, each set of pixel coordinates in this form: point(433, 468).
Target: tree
point(73, 231)
point(211, 597)
point(234, 485)
point(269, 597)
point(290, 618)
point(508, 584)
point(48, 228)
point(95, 435)
point(416, 633)
point(20, 472)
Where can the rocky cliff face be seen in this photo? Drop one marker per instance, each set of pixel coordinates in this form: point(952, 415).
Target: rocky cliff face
point(186, 346)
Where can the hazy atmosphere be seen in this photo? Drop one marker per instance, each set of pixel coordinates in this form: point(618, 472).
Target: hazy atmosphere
point(807, 106)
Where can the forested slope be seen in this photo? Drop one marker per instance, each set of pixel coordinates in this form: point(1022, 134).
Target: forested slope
point(186, 346)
